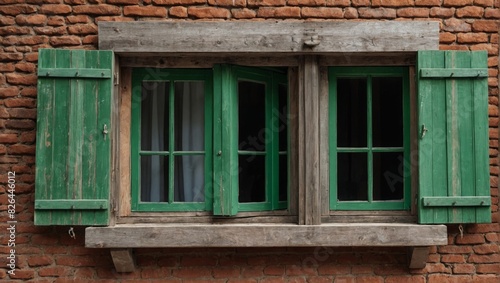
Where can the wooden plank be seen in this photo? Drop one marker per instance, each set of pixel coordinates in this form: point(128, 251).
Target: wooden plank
point(78, 72)
point(268, 37)
point(123, 259)
point(417, 257)
point(124, 197)
point(300, 143)
point(324, 156)
point(264, 235)
point(372, 59)
point(293, 84)
point(453, 72)
point(77, 204)
point(203, 61)
point(457, 201)
point(142, 219)
point(413, 141)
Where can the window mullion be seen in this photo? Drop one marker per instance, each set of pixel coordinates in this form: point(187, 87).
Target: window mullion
point(369, 137)
point(171, 141)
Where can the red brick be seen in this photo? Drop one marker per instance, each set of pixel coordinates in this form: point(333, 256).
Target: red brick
point(178, 2)
point(198, 261)
point(178, 12)
point(78, 19)
point(20, 124)
point(484, 3)
point(8, 138)
point(488, 268)
point(486, 249)
point(26, 67)
point(283, 12)
point(195, 272)
point(150, 273)
point(451, 249)
point(55, 9)
point(227, 3)
point(251, 271)
point(35, 261)
point(21, 149)
point(8, 91)
point(21, 113)
point(492, 13)
point(413, 13)
point(470, 12)
point(485, 279)
point(439, 12)
point(75, 261)
point(443, 278)
point(492, 237)
point(338, 3)
point(267, 3)
point(226, 272)
point(83, 29)
point(361, 3)
point(113, 19)
point(23, 274)
point(123, 2)
point(456, 25)
point(351, 13)
point(457, 3)
point(428, 3)
point(472, 37)
point(33, 40)
point(209, 13)
point(323, 12)
point(243, 13)
point(50, 30)
point(494, 258)
point(274, 270)
point(378, 13)
point(21, 79)
point(31, 20)
point(405, 279)
point(7, 21)
point(447, 37)
point(148, 11)
point(333, 269)
point(12, 30)
point(55, 21)
point(56, 271)
point(300, 270)
point(14, 10)
point(101, 9)
point(65, 40)
point(312, 3)
point(392, 3)
point(464, 268)
point(485, 26)
point(369, 279)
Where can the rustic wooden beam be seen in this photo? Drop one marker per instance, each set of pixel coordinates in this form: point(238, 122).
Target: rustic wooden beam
point(123, 259)
point(417, 257)
point(265, 235)
point(272, 37)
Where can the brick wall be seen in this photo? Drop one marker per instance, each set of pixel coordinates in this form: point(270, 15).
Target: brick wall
point(48, 254)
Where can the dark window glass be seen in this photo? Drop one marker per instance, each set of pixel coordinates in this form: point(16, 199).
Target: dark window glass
point(252, 178)
point(189, 116)
point(154, 116)
point(352, 176)
point(387, 112)
point(154, 178)
point(351, 112)
point(388, 176)
point(251, 116)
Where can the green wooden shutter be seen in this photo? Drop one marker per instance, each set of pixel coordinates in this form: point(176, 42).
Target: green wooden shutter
point(73, 150)
point(453, 137)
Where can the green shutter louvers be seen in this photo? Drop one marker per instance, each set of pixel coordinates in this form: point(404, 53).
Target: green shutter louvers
point(73, 150)
point(453, 137)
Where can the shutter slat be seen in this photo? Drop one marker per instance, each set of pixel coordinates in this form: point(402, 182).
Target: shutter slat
point(68, 191)
point(453, 154)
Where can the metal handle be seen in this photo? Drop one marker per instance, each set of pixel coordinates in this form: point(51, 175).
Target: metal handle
point(105, 131)
point(423, 132)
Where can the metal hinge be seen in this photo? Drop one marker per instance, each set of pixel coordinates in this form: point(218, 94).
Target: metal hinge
point(116, 78)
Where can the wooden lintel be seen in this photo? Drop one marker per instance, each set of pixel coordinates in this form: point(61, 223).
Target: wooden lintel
point(417, 257)
point(123, 260)
point(265, 235)
point(268, 37)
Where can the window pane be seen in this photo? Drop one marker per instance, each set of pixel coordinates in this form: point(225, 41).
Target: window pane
point(189, 179)
point(352, 174)
point(283, 117)
point(252, 178)
point(251, 116)
point(387, 109)
point(189, 116)
point(283, 178)
point(388, 176)
point(154, 178)
point(351, 112)
point(154, 116)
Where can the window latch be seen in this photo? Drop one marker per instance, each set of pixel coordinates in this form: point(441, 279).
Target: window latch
point(105, 131)
point(423, 132)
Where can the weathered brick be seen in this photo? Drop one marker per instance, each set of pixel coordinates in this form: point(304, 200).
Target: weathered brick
point(23, 274)
point(323, 12)
point(82, 29)
point(21, 113)
point(123, 2)
point(392, 3)
point(488, 268)
point(196, 272)
point(55, 9)
point(209, 13)
point(113, 19)
point(178, 12)
point(484, 3)
point(227, 3)
point(179, 2)
point(361, 3)
point(55, 21)
point(428, 3)
point(492, 258)
point(413, 12)
point(486, 249)
point(457, 3)
point(31, 20)
point(456, 25)
point(40, 261)
point(378, 13)
point(78, 19)
point(485, 26)
point(8, 138)
point(50, 30)
point(7, 21)
point(351, 13)
point(65, 40)
point(405, 279)
point(148, 11)
point(14, 10)
point(7, 67)
point(442, 12)
point(13, 30)
point(25, 67)
point(470, 12)
point(243, 13)
point(448, 278)
point(492, 13)
point(266, 3)
point(447, 37)
point(464, 268)
point(452, 259)
point(56, 271)
point(21, 79)
point(101, 9)
point(312, 3)
point(338, 3)
point(472, 37)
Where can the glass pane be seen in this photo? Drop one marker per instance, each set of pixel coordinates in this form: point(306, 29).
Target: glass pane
point(252, 178)
point(189, 179)
point(283, 178)
point(387, 109)
point(189, 116)
point(351, 112)
point(154, 178)
point(352, 176)
point(388, 176)
point(251, 116)
point(283, 117)
point(154, 116)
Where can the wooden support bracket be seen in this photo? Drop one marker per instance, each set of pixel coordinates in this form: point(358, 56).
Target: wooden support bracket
point(417, 257)
point(123, 260)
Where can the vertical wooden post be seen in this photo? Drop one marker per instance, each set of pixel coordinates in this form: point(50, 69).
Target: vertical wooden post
point(309, 191)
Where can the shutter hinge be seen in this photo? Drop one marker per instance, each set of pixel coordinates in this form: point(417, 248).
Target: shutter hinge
point(116, 80)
